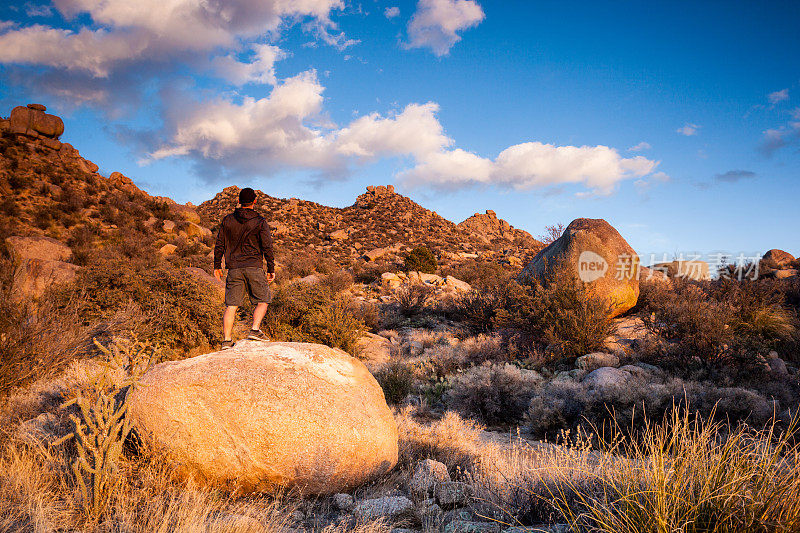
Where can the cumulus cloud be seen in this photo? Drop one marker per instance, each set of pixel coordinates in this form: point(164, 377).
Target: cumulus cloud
point(123, 31)
point(641, 147)
point(688, 129)
point(436, 23)
point(285, 130)
point(531, 165)
point(732, 176)
point(391, 12)
point(778, 96)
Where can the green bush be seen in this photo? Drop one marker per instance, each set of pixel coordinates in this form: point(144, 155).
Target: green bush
point(180, 312)
point(312, 312)
point(421, 259)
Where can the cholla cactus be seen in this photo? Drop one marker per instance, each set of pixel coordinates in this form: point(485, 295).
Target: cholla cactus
point(102, 427)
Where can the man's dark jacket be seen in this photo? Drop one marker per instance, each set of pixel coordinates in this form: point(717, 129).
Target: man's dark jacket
point(245, 239)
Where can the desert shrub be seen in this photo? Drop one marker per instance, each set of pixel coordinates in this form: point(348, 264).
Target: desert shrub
point(693, 476)
point(720, 322)
point(552, 233)
point(494, 394)
point(367, 312)
point(567, 405)
point(312, 312)
point(478, 308)
point(421, 259)
point(179, 311)
point(396, 379)
point(412, 298)
point(338, 280)
point(481, 275)
point(476, 350)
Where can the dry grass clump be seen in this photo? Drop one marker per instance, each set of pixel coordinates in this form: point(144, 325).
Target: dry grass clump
point(692, 476)
point(451, 440)
point(493, 393)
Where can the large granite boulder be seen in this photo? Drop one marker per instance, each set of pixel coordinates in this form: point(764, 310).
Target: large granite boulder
point(39, 262)
point(592, 252)
point(263, 416)
point(33, 122)
point(778, 257)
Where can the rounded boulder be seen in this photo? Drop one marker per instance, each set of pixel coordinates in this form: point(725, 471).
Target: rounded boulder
point(592, 252)
point(263, 416)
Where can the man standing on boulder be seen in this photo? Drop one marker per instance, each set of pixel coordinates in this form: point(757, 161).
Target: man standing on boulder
point(245, 241)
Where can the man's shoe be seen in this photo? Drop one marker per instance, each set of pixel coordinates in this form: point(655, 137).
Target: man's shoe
point(257, 335)
point(227, 345)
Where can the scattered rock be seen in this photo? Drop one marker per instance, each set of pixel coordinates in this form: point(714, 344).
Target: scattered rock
point(427, 475)
point(195, 230)
point(606, 378)
point(596, 360)
point(778, 366)
point(456, 284)
point(338, 235)
point(344, 502)
point(388, 508)
point(593, 252)
point(785, 273)
point(168, 226)
point(390, 281)
point(451, 494)
point(373, 350)
point(266, 415)
point(488, 227)
point(372, 255)
point(167, 249)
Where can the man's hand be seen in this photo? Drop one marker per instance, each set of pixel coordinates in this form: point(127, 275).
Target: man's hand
point(218, 273)
point(270, 277)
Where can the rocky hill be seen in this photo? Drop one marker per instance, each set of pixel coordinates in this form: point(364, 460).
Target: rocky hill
point(380, 226)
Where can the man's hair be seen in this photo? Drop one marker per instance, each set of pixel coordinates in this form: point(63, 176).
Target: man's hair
point(247, 196)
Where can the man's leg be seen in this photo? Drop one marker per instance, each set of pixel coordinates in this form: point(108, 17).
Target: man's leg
point(227, 321)
point(258, 315)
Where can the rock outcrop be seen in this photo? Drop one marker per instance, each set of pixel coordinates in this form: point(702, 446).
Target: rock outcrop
point(32, 121)
point(39, 263)
point(592, 252)
point(488, 227)
point(263, 416)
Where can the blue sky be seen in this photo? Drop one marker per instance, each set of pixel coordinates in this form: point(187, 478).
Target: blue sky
point(677, 122)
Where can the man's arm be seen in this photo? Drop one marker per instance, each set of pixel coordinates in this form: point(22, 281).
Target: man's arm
point(219, 250)
point(265, 236)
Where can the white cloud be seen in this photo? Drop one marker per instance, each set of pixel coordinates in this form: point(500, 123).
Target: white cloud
point(531, 165)
point(260, 70)
point(688, 129)
point(416, 131)
point(778, 96)
point(124, 31)
point(436, 23)
point(391, 12)
point(285, 130)
point(641, 147)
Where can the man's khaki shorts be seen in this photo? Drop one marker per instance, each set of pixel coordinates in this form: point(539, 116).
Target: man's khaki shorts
point(250, 280)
